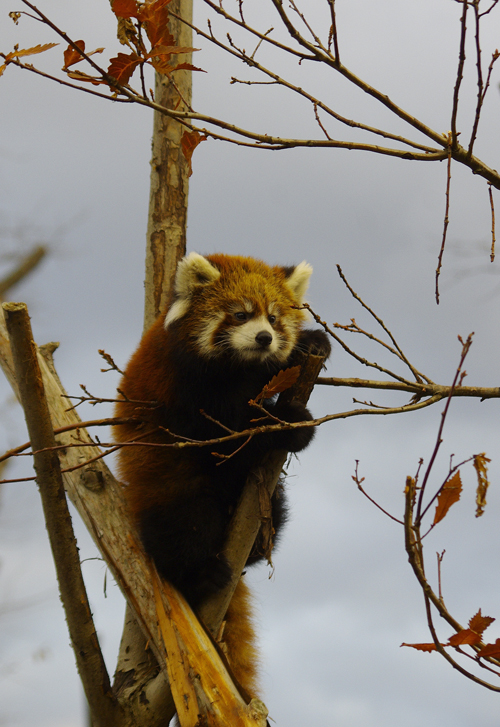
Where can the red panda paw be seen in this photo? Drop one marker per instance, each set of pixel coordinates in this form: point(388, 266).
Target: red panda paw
point(294, 440)
point(314, 341)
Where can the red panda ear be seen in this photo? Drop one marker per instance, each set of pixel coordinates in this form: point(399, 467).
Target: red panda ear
point(298, 280)
point(194, 270)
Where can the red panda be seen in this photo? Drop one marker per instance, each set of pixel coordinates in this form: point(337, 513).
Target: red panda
point(233, 324)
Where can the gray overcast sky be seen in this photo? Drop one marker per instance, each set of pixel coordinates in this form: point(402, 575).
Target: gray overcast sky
point(74, 174)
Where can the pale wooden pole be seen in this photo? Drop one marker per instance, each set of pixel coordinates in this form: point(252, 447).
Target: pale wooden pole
point(167, 219)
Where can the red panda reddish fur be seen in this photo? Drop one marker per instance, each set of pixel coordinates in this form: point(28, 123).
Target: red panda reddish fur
point(233, 324)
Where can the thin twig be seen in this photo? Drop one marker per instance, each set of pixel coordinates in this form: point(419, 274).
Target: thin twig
point(358, 482)
point(110, 421)
point(254, 431)
point(440, 557)
point(445, 222)
point(361, 359)
point(465, 350)
point(460, 72)
point(333, 31)
point(324, 57)
point(314, 35)
point(418, 376)
point(485, 12)
point(315, 106)
point(493, 239)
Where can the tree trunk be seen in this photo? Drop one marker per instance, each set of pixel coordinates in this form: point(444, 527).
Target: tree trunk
point(167, 221)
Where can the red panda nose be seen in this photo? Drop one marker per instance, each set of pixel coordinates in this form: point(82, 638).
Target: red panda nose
point(264, 339)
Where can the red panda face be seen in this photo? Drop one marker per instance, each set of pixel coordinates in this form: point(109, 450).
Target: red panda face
point(238, 308)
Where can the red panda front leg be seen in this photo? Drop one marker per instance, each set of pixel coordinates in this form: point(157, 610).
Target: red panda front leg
point(293, 440)
point(310, 341)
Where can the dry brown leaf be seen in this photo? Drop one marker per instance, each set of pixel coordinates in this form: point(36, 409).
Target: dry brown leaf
point(81, 76)
point(421, 647)
point(16, 53)
point(480, 623)
point(71, 56)
point(168, 50)
point(482, 481)
point(450, 493)
point(189, 142)
point(32, 51)
point(124, 8)
point(490, 649)
point(154, 16)
point(123, 66)
point(464, 637)
point(283, 380)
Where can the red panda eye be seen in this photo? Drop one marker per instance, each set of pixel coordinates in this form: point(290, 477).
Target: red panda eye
point(241, 316)
point(272, 319)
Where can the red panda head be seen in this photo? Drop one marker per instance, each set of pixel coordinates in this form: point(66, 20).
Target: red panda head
point(238, 307)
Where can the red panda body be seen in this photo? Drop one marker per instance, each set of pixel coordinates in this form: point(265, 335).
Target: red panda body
point(233, 324)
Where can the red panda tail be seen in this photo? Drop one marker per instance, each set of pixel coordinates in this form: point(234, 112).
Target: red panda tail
point(238, 639)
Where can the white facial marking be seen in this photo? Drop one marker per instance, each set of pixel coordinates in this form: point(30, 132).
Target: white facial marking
point(243, 339)
point(206, 333)
point(177, 310)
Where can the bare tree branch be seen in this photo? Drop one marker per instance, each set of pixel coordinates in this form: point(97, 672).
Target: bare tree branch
point(106, 712)
point(25, 266)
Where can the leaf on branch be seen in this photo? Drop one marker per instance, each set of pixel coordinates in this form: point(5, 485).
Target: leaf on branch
point(283, 380)
point(490, 649)
point(449, 495)
point(189, 142)
point(162, 65)
point(168, 50)
point(124, 8)
point(422, 647)
point(16, 53)
point(464, 638)
point(72, 56)
point(32, 51)
point(161, 55)
point(154, 16)
point(482, 481)
point(480, 623)
point(81, 76)
point(123, 66)
point(188, 66)
point(473, 635)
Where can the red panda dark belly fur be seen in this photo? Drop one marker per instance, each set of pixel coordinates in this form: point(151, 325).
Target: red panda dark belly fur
point(182, 499)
